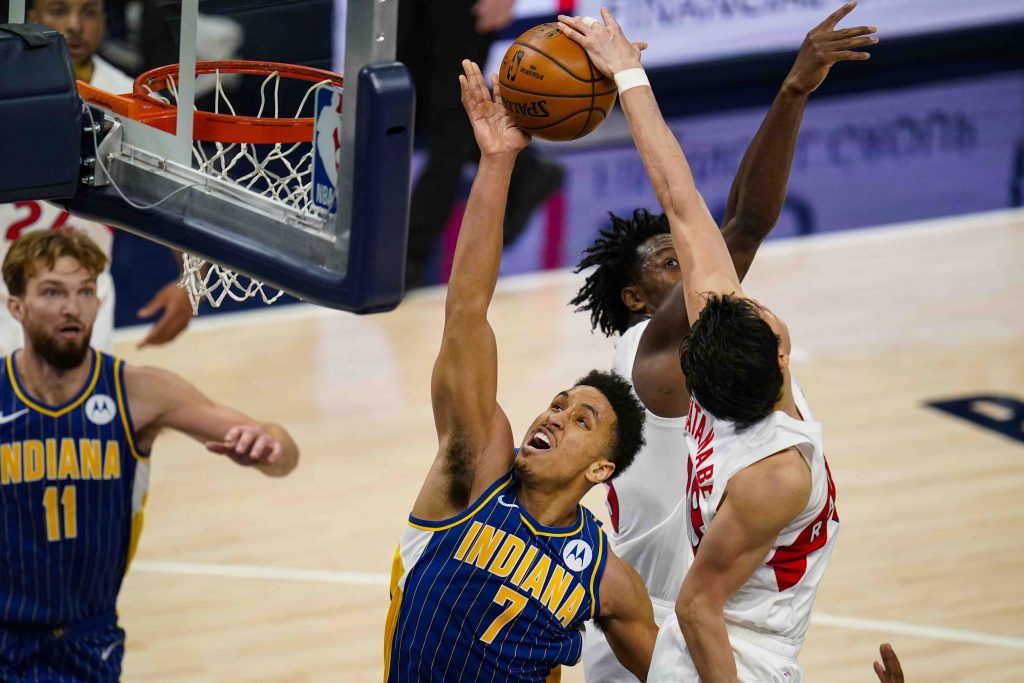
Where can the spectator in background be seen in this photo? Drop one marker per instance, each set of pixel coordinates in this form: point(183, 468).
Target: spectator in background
point(82, 24)
point(434, 36)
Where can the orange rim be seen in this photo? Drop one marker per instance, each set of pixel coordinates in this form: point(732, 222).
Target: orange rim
point(208, 126)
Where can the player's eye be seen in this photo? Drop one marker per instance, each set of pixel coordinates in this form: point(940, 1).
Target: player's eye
point(671, 263)
point(582, 422)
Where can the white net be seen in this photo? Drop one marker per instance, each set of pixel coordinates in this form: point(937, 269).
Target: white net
point(281, 172)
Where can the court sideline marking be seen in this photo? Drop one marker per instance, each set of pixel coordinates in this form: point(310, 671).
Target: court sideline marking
point(381, 580)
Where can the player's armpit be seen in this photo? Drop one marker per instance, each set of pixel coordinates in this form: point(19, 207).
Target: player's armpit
point(627, 617)
point(657, 375)
point(758, 504)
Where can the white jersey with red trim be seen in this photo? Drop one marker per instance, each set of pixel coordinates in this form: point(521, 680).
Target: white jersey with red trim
point(646, 504)
point(777, 598)
point(17, 218)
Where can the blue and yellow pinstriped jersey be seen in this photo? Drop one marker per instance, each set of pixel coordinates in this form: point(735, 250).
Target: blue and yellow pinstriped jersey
point(72, 487)
point(491, 594)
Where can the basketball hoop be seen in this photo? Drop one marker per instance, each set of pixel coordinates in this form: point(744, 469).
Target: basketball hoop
point(269, 153)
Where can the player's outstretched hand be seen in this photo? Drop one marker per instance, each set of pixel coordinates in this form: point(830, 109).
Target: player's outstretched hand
point(492, 126)
point(824, 46)
point(607, 46)
point(173, 301)
point(889, 671)
point(248, 445)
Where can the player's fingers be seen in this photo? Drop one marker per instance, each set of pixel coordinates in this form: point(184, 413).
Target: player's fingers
point(260, 447)
point(219, 447)
point(609, 20)
point(245, 439)
point(152, 307)
point(892, 662)
point(275, 452)
point(852, 32)
point(850, 43)
point(851, 56)
point(837, 16)
point(496, 91)
point(590, 22)
point(232, 436)
point(880, 672)
point(641, 45)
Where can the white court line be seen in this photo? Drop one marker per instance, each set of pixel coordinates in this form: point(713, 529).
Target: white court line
point(368, 579)
point(245, 571)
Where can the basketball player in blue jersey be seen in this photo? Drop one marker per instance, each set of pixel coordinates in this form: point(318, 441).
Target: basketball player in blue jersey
point(76, 429)
point(635, 291)
point(500, 565)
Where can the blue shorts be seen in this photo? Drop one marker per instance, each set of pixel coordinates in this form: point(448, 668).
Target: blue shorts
point(87, 652)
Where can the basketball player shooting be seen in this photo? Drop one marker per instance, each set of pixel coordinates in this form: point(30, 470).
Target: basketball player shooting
point(500, 565)
point(634, 291)
point(758, 484)
point(76, 430)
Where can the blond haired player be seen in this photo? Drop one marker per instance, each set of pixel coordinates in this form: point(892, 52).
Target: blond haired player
point(761, 504)
point(81, 22)
point(76, 431)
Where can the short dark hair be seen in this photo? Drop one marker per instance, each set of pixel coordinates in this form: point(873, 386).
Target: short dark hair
point(615, 253)
point(731, 361)
point(628, 436)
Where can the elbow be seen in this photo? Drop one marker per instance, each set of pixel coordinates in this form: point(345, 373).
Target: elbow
point(693, 610)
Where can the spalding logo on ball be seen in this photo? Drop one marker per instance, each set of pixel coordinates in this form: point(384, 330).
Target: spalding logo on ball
point(550, 87)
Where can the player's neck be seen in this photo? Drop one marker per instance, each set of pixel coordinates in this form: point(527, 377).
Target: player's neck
point(787, 404)
point(550, 508)
point(44, 382)
point(84, 71)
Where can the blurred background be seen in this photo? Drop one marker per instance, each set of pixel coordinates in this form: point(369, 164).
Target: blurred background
point(932, 125)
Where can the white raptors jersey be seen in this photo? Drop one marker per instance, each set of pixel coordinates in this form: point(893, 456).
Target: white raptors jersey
point(18, 218)
point(642, 500)
point(777, 599)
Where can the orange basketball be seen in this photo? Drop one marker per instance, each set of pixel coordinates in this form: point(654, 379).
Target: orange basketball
point(550, 87)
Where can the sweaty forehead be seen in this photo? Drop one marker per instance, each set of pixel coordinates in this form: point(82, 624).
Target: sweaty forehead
point(591, 396)
point(655, 244)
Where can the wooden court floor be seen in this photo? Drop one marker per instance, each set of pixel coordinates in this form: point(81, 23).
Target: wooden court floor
point(240, 578)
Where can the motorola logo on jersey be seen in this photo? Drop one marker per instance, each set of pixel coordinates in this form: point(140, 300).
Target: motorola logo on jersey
point(100, 409)
point(577, 555)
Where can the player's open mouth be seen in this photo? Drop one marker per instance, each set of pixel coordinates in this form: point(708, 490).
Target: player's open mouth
point(539, 441)
point(70, 330)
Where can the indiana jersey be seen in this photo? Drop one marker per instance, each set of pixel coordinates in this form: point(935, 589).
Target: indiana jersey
point(777, 599)
point(491, 594)
point(72, 488)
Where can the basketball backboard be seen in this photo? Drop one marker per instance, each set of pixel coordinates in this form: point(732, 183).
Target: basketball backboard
point(149, 179)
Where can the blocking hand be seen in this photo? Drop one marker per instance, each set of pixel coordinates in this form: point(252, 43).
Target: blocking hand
point(493, 128)
point(824, 46)
point(607, 46)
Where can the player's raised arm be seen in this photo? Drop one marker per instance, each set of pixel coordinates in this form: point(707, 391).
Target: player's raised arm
point(759, 189)
point(474, 436)
point(755, 203)
point(704, 260)
point(627, 617)
point(160, 399)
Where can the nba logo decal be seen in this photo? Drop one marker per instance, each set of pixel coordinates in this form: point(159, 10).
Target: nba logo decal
point(577, 555)
point(100, 409)
point(327, 145)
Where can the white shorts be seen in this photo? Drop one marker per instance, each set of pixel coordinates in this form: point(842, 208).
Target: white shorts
point(759, 658)
point(12, 337)
point(599, 662)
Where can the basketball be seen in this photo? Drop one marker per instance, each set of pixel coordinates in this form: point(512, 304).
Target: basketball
point(550, 87)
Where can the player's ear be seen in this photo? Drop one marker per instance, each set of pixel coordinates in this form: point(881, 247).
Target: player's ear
point(600, 471)
point(16, 307)
point(633, 297)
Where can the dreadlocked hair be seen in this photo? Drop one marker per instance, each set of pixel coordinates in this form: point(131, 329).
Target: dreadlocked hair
point(618, 266)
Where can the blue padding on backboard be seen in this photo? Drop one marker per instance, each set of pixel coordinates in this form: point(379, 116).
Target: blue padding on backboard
point(375, 275)
point(40, 115)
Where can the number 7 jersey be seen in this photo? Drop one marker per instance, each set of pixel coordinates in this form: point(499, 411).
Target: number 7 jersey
point(491, 594)
point(72, 487)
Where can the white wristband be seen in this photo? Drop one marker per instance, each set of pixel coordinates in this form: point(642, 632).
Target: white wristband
point(631, 78)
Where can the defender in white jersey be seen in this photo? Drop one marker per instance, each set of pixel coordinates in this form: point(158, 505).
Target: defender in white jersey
point(736, 364)
point(81, 23)
point(634, 290)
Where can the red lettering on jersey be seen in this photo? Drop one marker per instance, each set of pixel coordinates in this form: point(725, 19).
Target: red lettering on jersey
point(698, 475)
point(35, 212)
point(704, 475)
point(790, 562)
point(613, 506)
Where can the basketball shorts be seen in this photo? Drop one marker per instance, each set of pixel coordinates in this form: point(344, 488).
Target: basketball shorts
point(759, 658)
point(88, 652)
point(599, 662)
